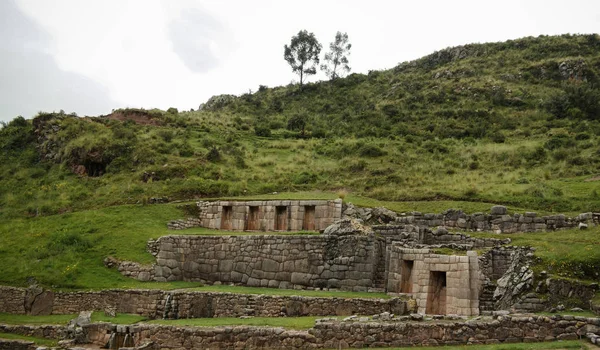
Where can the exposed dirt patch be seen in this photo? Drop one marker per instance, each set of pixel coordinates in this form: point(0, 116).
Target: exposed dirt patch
point(138, 117)
point(595, 178)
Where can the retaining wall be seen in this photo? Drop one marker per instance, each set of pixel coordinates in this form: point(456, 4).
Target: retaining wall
point(334, 335)
point(151, 303)
point(498, 221)
point(344, 262)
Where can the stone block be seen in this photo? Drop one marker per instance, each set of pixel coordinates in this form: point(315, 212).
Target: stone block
point(301, 278)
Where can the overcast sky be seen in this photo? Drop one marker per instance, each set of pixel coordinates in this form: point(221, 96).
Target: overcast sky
point(93, 56)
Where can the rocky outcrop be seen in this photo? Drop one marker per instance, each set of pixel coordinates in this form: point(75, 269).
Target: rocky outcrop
point(347, 227)
point(517, 280)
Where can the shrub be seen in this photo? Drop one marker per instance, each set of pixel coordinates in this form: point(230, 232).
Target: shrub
point(262, 130)
point(370, 150)
point(213, 155)
point(166, 135)
point(172, 110)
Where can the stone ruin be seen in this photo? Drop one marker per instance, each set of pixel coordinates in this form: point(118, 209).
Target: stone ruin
point(426, 270)
point(359, 249)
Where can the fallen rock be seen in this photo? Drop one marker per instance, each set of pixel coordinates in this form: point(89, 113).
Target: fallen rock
point(348, 226)
point(417, 317)
point(498, 210)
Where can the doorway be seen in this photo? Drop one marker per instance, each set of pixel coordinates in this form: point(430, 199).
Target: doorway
point(281, 218)
point(406, 277)
point(436, 293)
point(308, 224)
point(226, 217)
point(252, 223)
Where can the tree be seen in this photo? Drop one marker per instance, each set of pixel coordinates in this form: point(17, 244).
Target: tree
point(336, 58)
point(298, 122)
point(303, 54)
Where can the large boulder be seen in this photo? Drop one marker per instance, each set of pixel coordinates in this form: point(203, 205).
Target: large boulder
point(348, 226)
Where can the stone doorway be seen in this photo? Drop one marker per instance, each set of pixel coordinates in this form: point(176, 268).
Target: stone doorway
point(253, 223)
point(281, 218)
point(309, 218)
point(436, 293)
point(226, 215)
point(406, 280)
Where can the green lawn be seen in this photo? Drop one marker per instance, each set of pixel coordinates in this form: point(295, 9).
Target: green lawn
point(64, 319)
point(286, 322)
point(569, 253)
point(36, 320)
point(38, 341)
point(275, 291)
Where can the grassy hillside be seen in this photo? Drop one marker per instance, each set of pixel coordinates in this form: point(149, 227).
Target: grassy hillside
point(514, 123)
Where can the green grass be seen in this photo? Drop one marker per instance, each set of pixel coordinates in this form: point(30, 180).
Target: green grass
point(571, 344)
point(36, 320)
point(286, 322)
point(38, 341)
point(64, 319)
point(119, 319)
point(568, 253)
point(67, 251)
point(275, 291)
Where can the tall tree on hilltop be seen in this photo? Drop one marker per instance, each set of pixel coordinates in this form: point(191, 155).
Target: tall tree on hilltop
point(336, 58)
point(303, 54)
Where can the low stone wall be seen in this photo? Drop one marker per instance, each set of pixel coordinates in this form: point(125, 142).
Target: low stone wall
point(151, 303)
point(336, 334)
point(505, 329)
point(413, 235)
point(12, 300)
point(6, 344)
point(497, 221)
point(43, 331)
point(325, 261)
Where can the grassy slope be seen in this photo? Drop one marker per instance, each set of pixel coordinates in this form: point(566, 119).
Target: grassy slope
point(400, 138)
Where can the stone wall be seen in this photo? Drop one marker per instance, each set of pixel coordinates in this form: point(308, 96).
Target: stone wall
point(421, 235)
point(6, 344)
point(344, 262)
point(497, 221)
point(441, 284)
point(38, 331)
point(12, 300)
point(274, 215)
point(151, 304)
point(340, 334)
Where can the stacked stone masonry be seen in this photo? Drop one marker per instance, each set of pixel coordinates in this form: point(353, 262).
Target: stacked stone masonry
point(347, 262)
point(151, 304)
point(498, 221)
point(335, 334)
point(271, 215)
point(441, 284)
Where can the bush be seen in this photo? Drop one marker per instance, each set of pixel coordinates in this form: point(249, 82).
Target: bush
point(498, 137)
point(370, 150)
point(213, 155)
point(262, 131)
point(172, 110)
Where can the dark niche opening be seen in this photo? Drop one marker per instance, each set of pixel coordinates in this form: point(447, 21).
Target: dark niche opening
point(253, 223)
point(226, 217)
point(436, 293)
point(406, 281)
point(308, 224)
point(281, 218)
